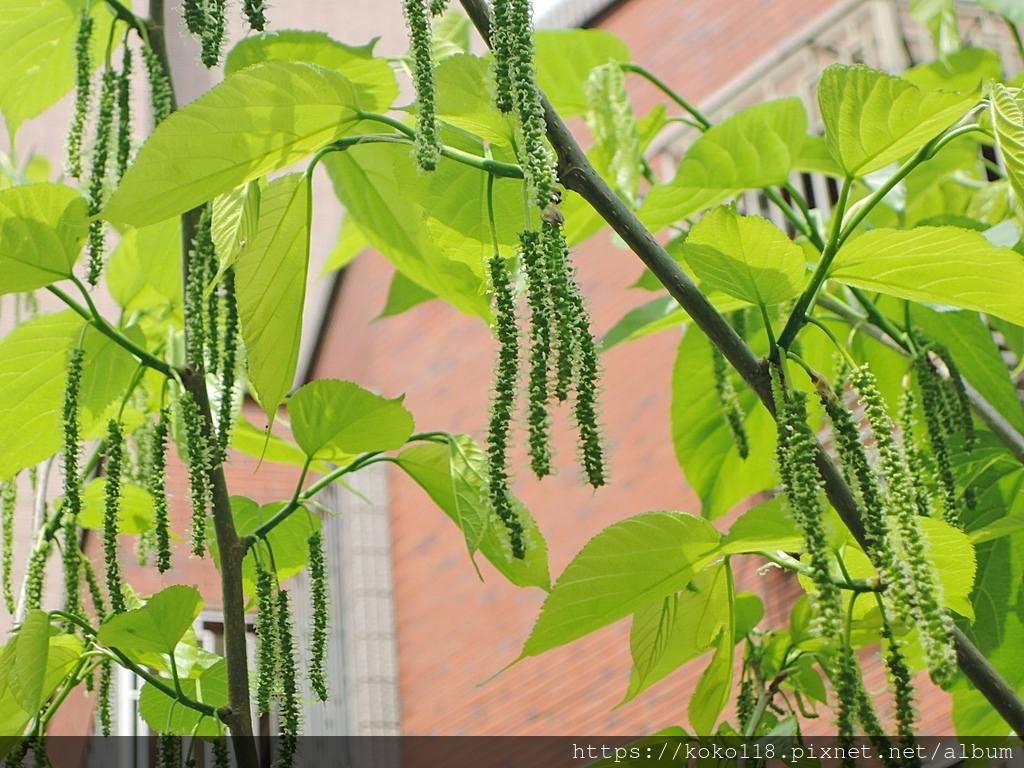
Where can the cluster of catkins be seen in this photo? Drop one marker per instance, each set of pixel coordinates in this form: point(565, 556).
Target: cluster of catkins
point(562, 354)
point(892, 495)
point(205, 19)
point(277, 676)
point(111, 143)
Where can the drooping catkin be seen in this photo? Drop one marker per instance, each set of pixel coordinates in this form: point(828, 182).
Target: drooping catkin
point(538, 294)
point(796, 450)
point(202, 256)
point(106, 684)
point(915, 461)
point(745, 703)
point(503, 404)
point(83, 84)
point(112, 512)
point(160, 94)
point(95, 593)
point(158, 489)
point(923, 588)
point(266, 637)
point(228, 366)
point(936, 422)
point(866, 484)
point(195, 16)
point(903, 688)
point(729, 402)
point(212, 37)
point(35, 579)
point(8, 503)
point(537, 161)
point(961, 402)
point(573, 333)
point(501, 45)
point(72, 504)
point(124, 111)
point(321, 616)
point(169, 749)
point(220, 753)
point(289, 711)
point(197, 457)
point(255, 12)
point(844, 680)
point(428, 129)
point(98, 174)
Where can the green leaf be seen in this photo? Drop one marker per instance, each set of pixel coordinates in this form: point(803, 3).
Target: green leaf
point(236, 217)
point(611, 120)
point(373, 79)
point(676, 629)
point(351, 242)
point(624, 568)
point(654, 316)
point(1008, 124)
point(377, 184)
point(714, 687)
point(144, 271)
point(565, 58)
point(403, 295)
point(288, 541)
point(331, 417)
point(464, 85)
point(156, 627)
point(451, 35)
point(42, 230)
point(252, 441)
point(966, 70)
point(755, 148)
point(766, 527)
point(873, 119)
point(748, 611)
point(259, 120)
point(270, 283)
point(37, 43)
point(25, 660)
point(946, 265)
point(136, 514)
point(940, 18)
point(164, 714)
point(454, 477)
point(33, 360)
point(952, 554)
point(703, 443)
point(745, 256)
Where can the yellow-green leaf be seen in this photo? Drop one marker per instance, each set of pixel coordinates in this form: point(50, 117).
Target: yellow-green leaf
point(946, 265)
point(270, 283)
point(259, 120)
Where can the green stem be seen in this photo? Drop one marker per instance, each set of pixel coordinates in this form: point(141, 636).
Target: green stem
point(129, 18)
point(664, 88)
point(792, 564)
point(812, 225)
point(799, 316)
point(99, 322)
point(788, 212)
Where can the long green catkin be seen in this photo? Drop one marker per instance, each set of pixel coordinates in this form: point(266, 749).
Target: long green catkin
point(124, 111)
point(212, 37)
point(197, 457)
point(795, 451)
point(158, 488)
point(229, 366)
point(538, 294)
point(503, 404)
point(98, 174)
point(428, 129)
point(501, 45)
point(106, 684)
point(729, 402)
point(111, 513)
point(8, 503)
point(83, 87)
point(289, 712)
point(935, 415)
point(266, 637)
point(72, 504)
point(202, 254)
point(321, 615)
point(161, 97)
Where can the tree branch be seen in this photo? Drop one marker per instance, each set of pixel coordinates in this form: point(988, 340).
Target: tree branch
point(576, 173)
